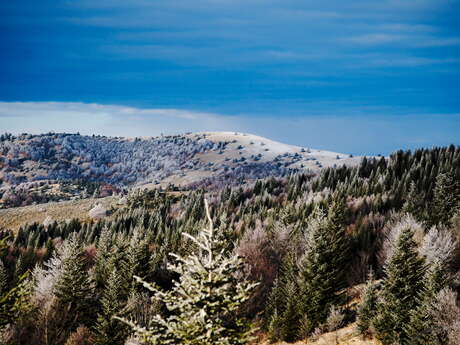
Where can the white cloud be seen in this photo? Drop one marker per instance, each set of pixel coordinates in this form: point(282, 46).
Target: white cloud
point(438, 42)
point(410, 61)
point(408, 39)
point(238, 34)
point(333, 127)
point(114, 120)
point(374, 39)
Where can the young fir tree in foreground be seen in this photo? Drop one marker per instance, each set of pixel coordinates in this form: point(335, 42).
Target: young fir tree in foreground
point(202, 306)
point(401, 288)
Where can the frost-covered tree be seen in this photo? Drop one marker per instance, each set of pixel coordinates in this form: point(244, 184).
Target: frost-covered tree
point(446, 313)
point(422, 328)
point(334, 321)
point(438, 247)
point(446, 198)
point(203, 304)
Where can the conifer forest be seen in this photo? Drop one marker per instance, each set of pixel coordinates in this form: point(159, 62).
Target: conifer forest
point(298, 256)
point(229, 172)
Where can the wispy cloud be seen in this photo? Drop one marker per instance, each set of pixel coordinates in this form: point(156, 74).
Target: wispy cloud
point(413, 61)
point(374, 39)
point(438, 42)
point(40, 117)
point(326, 126)
point(259, 59)
point(408, 40)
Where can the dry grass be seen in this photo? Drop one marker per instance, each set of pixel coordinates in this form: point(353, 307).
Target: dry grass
point(13, 218)
point(343, 336)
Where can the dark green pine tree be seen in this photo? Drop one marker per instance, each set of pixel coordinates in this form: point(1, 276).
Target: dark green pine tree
point(74, 289)
point(401, 288)
point(289, 319)
point(339, 241)
point(368, 307)
point(281, 312)
point(104, 251)
point(14, 300)
point(324, 268)
point(138, 256)
point(422, 328)
point(120, 261)
point(446, 198)
point(108, 330)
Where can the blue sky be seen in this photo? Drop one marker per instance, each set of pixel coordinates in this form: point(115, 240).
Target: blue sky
point(364, 77)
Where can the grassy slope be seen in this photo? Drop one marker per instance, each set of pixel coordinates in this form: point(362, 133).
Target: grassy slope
point(343, 336)
point(13, 218)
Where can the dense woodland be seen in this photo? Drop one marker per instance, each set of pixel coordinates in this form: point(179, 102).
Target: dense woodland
point(297, 256)
point(62, 166)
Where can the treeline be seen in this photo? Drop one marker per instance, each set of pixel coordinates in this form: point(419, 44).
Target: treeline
point(309, 241)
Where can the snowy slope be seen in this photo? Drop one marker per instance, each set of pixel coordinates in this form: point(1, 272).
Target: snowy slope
point(255, 149)
point(270, 150)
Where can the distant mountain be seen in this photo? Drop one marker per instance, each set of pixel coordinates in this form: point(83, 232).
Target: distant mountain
point(60, 166)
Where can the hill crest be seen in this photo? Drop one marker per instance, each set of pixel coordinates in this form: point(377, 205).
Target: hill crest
point(62, 166)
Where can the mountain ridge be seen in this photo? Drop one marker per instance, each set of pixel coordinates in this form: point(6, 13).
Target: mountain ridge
point(63, 166)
